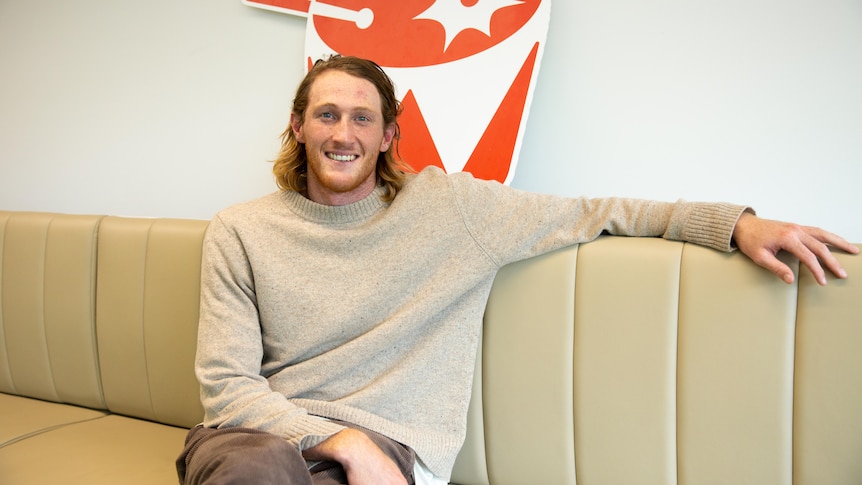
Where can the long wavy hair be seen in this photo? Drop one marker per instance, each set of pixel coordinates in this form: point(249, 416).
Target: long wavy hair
point(291, 166)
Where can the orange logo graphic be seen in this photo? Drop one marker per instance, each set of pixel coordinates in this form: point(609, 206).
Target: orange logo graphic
point(465, 70)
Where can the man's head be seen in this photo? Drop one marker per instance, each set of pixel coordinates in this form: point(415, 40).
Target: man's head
point(343, 132)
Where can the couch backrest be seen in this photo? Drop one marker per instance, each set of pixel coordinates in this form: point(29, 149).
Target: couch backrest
point(632, 360)
point(148, 287)
point(101, 312)
point(47, 307)
point(626, 360)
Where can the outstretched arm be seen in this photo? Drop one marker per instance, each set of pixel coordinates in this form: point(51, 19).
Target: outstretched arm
point(761, 239)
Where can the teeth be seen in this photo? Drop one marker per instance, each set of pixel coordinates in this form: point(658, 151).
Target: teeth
point(341, 158)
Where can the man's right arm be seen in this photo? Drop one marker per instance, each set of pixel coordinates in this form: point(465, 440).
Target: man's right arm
point(230, 350)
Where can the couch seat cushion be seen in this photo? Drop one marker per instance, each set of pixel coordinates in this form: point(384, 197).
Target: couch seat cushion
point(108, 450)
point(22, 417)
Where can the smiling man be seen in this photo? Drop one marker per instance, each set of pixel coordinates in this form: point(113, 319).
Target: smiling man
point(341, 315)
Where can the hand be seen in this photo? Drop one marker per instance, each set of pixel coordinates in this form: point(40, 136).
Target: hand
point(761, 239)
point(363, 461)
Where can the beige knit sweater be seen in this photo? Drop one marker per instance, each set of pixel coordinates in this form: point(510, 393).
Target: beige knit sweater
point(370, 313)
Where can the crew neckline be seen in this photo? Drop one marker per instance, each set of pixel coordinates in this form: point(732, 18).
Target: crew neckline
point(334, 214)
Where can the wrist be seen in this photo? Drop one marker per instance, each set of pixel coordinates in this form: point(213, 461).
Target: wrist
point(340, 447)
point(740, 227)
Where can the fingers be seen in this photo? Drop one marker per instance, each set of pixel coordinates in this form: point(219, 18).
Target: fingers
point(832, 240)
point(809, 258)
point(762, 239)
point(819, 243)
point(813, 246)
point(773, 264)
point(826, 258)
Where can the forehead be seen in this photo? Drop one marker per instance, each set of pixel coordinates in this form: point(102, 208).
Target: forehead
point(344, 90)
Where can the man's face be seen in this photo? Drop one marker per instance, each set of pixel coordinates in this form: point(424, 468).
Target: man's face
point(343, 133)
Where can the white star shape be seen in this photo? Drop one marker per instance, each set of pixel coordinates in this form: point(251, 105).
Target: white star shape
point(455, 17)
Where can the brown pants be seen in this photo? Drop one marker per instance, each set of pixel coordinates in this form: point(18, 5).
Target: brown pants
point(250, 456)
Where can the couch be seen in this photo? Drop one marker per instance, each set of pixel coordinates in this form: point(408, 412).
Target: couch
point(621, 361)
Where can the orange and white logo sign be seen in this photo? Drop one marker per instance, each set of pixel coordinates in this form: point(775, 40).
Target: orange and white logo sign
point(465, 70)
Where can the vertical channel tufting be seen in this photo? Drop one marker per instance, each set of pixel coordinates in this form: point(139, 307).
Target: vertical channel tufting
point(828, 391)
point(625, 361)
point(736, 351)
point(172, 290)
point(149, 286)
point(47, 307)
point(122, 255)
point(471, 467)
point(6, 384)
point(527, 381)
point(69, 308)
point(23, 305)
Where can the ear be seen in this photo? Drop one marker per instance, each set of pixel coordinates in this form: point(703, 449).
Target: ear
point(296, 126)
point(388, 136)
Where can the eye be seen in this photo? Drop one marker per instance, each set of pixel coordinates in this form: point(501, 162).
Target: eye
point(327, 116)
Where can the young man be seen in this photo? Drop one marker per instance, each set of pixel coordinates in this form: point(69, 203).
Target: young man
point(340, 316)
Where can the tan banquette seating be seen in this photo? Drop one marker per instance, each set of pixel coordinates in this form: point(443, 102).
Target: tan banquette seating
point(621, 361)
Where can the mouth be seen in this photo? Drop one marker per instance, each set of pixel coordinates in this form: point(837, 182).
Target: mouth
point(341, 158)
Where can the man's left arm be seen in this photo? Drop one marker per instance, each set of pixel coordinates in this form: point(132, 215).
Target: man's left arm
point(761, 239)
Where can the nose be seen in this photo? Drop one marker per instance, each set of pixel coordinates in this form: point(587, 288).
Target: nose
point(342, 131)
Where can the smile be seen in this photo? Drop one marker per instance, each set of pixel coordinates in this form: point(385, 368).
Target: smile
point(341, 158)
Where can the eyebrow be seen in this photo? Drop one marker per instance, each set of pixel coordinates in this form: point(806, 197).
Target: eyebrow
point(333, 106)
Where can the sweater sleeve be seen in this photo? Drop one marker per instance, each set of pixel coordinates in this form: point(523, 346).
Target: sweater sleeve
point(234, 393)
point(512, 225)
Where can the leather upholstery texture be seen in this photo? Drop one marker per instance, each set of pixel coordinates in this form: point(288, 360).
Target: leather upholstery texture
point(624, 360)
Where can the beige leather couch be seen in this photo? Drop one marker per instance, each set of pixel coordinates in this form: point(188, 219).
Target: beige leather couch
point(622, 361)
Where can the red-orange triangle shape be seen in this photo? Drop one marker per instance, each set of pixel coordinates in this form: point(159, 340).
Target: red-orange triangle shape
point(416, 146)
point(493, 155)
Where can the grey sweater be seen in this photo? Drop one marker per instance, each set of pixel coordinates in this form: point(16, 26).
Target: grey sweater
point(370, 313)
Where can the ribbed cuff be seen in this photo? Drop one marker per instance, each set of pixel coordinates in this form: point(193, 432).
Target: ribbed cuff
point(315, 430)
point(706, 224)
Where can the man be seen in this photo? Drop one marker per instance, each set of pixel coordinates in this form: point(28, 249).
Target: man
point(340, 316)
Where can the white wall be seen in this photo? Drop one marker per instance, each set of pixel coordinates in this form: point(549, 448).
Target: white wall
point(174, 107)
